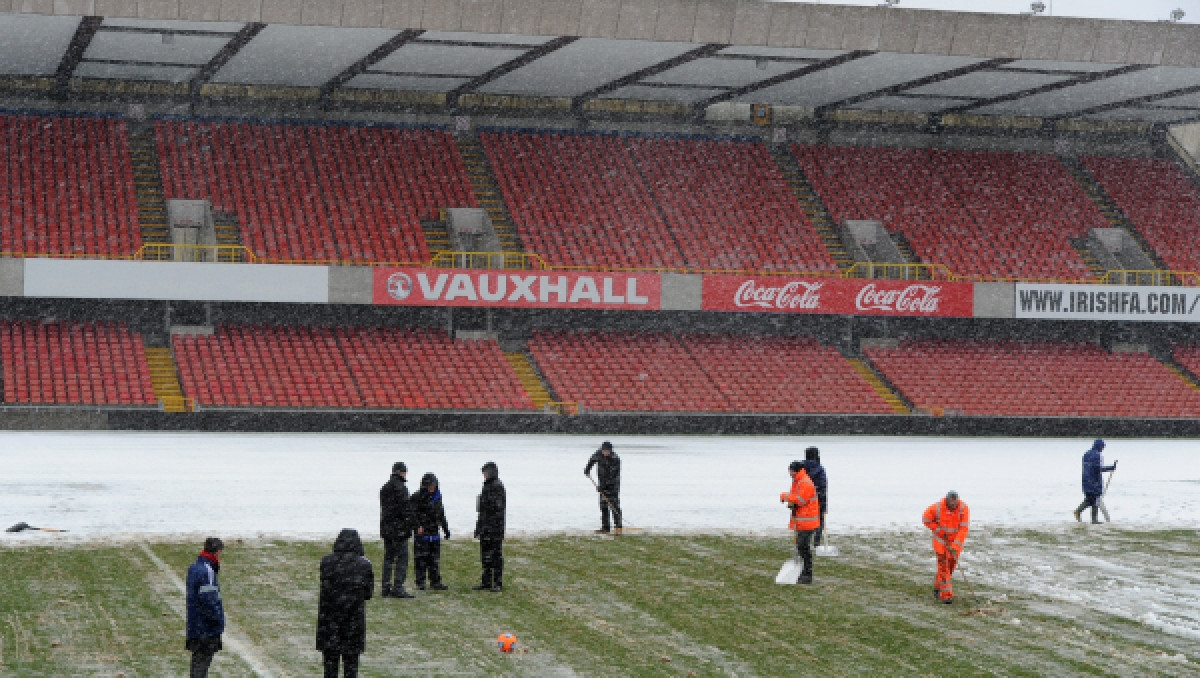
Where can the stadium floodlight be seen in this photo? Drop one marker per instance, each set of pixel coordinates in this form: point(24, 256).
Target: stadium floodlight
point(1037, 7)
point(1177, 15)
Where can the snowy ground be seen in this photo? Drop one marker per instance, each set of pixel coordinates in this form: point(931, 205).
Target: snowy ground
point(134, 486)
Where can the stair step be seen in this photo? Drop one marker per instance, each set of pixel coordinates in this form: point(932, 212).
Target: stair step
point(888, 395)
point(530, 381)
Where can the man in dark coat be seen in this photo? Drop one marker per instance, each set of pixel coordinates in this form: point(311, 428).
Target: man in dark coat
point(429, 517)
point(489, 529)
point(205, 613)
point(1093, 479)
point(395, 526)
point(816, 473)
point(608, 483)
point(347, 582)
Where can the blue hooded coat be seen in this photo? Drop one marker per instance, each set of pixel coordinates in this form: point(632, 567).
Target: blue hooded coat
point(1094, 469)
point(205, 614)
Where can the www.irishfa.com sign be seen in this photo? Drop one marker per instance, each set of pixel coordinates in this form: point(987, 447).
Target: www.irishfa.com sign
point(1108, 302)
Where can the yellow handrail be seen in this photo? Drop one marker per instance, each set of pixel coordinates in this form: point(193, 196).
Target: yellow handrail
point(172, 252)
point(565, 407)
point(177, 402)
point(885, 271)
point(489, 260)
point(1152, 277)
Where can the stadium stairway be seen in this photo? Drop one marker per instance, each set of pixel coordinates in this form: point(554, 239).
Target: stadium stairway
point(164, 378)
point(1109, 210)
point(891, 396)
point(811, 204)
point(530, 380)
point(487, 191)
point(148, 186)
point(228, 232)
point(437, 233)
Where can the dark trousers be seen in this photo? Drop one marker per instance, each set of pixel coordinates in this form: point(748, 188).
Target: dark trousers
point(1090, 500)
point(203, 650)
point(428, 558)
point(395, 562)
point(350, 661)
point(491, 556)
point(609, 500)
point(804, 545)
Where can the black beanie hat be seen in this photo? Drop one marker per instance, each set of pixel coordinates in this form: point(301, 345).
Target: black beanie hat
point(795, 466)
point(399, 467)
point(606, 446)
point(490, 469)
point(214, 544)
point(812, 454)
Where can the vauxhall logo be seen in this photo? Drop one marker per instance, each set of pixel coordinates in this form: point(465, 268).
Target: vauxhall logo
point(516, 288)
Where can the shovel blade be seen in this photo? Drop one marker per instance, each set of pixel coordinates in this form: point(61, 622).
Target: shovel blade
point(790, 572)
point(830, 551)
point(18, 527)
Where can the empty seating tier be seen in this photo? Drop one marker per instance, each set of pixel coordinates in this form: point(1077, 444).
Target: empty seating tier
point(272, 366)
point(66, 187)
point(1033, 378)
point(987, 214)
point(318, 193)
point(625, 201)
point(1160, 200)
point(92, 363)
point(659, 372)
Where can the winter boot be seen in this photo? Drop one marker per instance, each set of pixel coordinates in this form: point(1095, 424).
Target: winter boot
point(804, 579)
point(387, 592)
point(485, 585)
point(1095, 518)
point(948, 601)
point(401, 593)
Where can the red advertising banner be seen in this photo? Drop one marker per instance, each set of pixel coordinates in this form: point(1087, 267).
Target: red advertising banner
point(517, 289)
point(844, 296)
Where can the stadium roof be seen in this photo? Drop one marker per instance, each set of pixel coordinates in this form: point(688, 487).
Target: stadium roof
point(681, 55)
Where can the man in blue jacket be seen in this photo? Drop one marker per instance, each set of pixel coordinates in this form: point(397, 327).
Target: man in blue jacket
point(205, 614)
point(816, 473)
point(1093, 479)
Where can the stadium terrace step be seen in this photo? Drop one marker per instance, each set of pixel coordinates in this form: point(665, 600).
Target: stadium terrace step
point(164, 377)
point(890, 396)
point(1108, 209)
point(530, 380)
point(1088, 258)
point(437, 235)
point(816, 212)
point(228, 232)
point(487, 193)
point(151, 207)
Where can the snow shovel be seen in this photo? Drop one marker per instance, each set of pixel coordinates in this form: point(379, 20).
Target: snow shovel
point(22, 526)
point(790, 572)
point(825, 548)
point(619, 516)
point(1100, 499)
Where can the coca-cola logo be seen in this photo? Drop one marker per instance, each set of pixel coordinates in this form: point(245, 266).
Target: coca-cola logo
point(911, 299)
point(796, 294)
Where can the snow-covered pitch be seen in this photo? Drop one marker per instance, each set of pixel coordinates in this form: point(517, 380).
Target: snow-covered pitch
point(134, 486)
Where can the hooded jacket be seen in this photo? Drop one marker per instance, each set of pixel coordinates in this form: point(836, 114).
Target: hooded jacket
point(1094, 469)
point(428, 512)
point(347, 582)
point(491, 506)
point(205, 613)
point(395, 511)
point(802, 499)
point(816, 473)
point(608, 471)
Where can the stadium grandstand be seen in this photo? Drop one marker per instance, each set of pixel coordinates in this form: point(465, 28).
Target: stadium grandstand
point(596, 215)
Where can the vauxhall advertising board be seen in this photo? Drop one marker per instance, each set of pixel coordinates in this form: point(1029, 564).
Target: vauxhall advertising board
point(1107, 302)
point(517, 289)
point(785, 294)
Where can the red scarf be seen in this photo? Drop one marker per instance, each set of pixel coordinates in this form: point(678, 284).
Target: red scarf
point(213, 558)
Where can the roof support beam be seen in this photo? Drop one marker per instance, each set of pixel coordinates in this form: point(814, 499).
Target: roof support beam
point(223, 56)
point(453, 96)
point(636, 76)
point(911, 84)
point(782, 78)
point(378, 54)
point(84, 32)
point(1013, 96)
point(1149, 98)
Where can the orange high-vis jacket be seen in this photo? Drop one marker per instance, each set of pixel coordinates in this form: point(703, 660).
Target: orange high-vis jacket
point(949, 527)
point(806, 511)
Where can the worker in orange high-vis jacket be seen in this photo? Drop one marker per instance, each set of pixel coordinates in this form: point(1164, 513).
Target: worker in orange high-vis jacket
point(949, 519)
point(806, 515)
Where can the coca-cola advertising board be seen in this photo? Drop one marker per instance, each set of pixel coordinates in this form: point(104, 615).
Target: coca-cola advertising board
point(837, 296)
point(517, 289)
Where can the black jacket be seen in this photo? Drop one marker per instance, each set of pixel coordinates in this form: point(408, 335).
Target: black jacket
point(816, 473)
point(347, 581)
point(491, 507)
point(428, 512)
point(608, 471)
point(395, 512)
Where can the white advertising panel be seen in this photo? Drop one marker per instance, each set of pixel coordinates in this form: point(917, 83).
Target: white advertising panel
point(1108, 302)
point(181, 281)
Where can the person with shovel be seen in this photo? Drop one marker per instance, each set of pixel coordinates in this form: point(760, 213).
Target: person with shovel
point(1093, 480)
point(948, 519)
point(205, 613)
point(816, 473)
point(608, 484)
point(806, 516)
